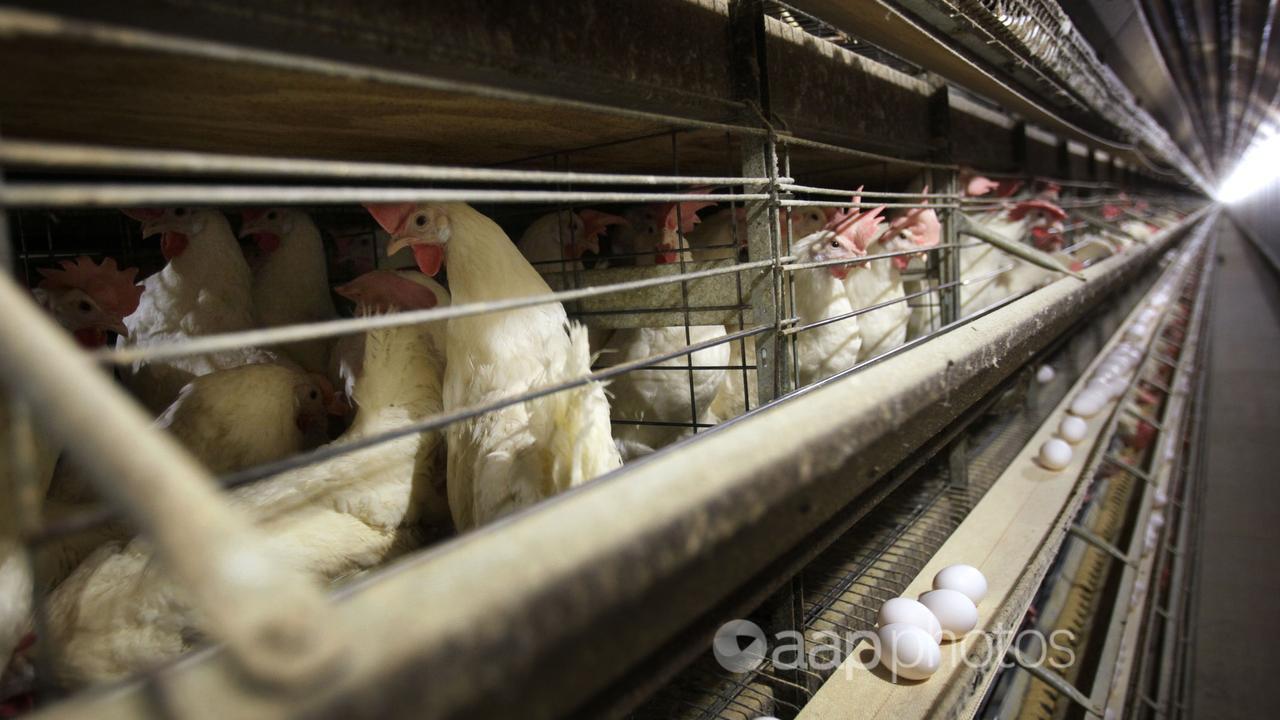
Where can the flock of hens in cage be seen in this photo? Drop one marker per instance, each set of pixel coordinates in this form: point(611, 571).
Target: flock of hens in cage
point(111, 611)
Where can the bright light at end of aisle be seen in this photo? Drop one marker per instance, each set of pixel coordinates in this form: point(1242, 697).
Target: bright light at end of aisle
point(1259, 167)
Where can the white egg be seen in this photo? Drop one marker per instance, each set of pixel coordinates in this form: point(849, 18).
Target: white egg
point(908, 652)
point(1055, 454)
point(955, 612)
point(1044, 374)
point(1088, 403)
point(1160, 498)
point(1138, 331)
point(1072, 429)
point(903, 610)
point(965, 579)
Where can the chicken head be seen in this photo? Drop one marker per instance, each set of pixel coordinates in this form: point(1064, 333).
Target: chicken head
point(916, 228)
point(423, 228)
point(175, 226)
point(1045, 220)
point(383, 291)
point(89, 299)
point(267, 227)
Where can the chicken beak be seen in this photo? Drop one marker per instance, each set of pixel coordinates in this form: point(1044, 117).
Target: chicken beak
point(398, 244)
point(152, 227)
point(251, 228)
point(116, 326)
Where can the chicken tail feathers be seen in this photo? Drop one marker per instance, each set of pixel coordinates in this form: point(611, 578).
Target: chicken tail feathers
point(581, 444)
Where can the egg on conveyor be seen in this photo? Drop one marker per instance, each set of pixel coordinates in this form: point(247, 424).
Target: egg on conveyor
point(908, 652)
point(1088, 403)
point(1055, 454)
point(1073, 429)
point(965, 579)
point(905, 611)
point(1044, 374)
point(955, 612)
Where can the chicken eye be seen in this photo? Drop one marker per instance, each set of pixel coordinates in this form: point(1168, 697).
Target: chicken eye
point(179, 212)
point(420, 221)
point(84, 306)
point(835, 243)
point(271, 215)
point(313, 394)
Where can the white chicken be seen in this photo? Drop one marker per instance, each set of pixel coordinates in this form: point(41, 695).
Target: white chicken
point(880, 281)
point(633, 239)
point(739, 388)
point(663, 396)
point(510, 458)
point(557, 241)
point(119, 612)
point(820, 294)
point(249, 415)
point(205, 288)
point(88, 300)
point(990, 274)
point(291, 278)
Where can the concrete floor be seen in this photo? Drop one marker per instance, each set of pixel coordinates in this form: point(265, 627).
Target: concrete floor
point(1238, 622)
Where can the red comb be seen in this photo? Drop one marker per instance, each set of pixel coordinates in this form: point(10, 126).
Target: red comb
point(109, 286)
point(384, 289)
point(1020, 210)
point(594, 222)
point(391, 216)
point(688, 213)
point(859, 228)
point(1006, 188)
point(979, 185)
point(253, 214)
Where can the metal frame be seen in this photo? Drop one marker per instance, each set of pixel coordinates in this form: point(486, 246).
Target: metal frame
point(568, 563)
point(568, 578)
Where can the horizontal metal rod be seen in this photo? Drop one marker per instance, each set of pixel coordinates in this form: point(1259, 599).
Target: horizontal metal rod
point(53, 155)
point(97, 516)
point(784, 140)
point(833, 204)
point(117, 195)
point(878, 256)
point(284, 334)
point(886, 303)
point(788, 186)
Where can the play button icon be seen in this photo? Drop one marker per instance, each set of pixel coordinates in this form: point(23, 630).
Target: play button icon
point(739, 646)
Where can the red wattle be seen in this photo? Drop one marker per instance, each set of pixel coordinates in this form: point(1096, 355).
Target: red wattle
point(90, 338)
point(268, 242)
point(429, 257)
point(173, 244)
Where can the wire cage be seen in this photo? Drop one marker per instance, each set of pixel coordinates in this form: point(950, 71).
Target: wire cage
point(694, 290)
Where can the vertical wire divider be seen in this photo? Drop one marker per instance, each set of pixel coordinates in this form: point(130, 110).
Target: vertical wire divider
point(684, 287)
point(787, 301)
point(949, 263)
point(760, 160)
point(734, 232)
